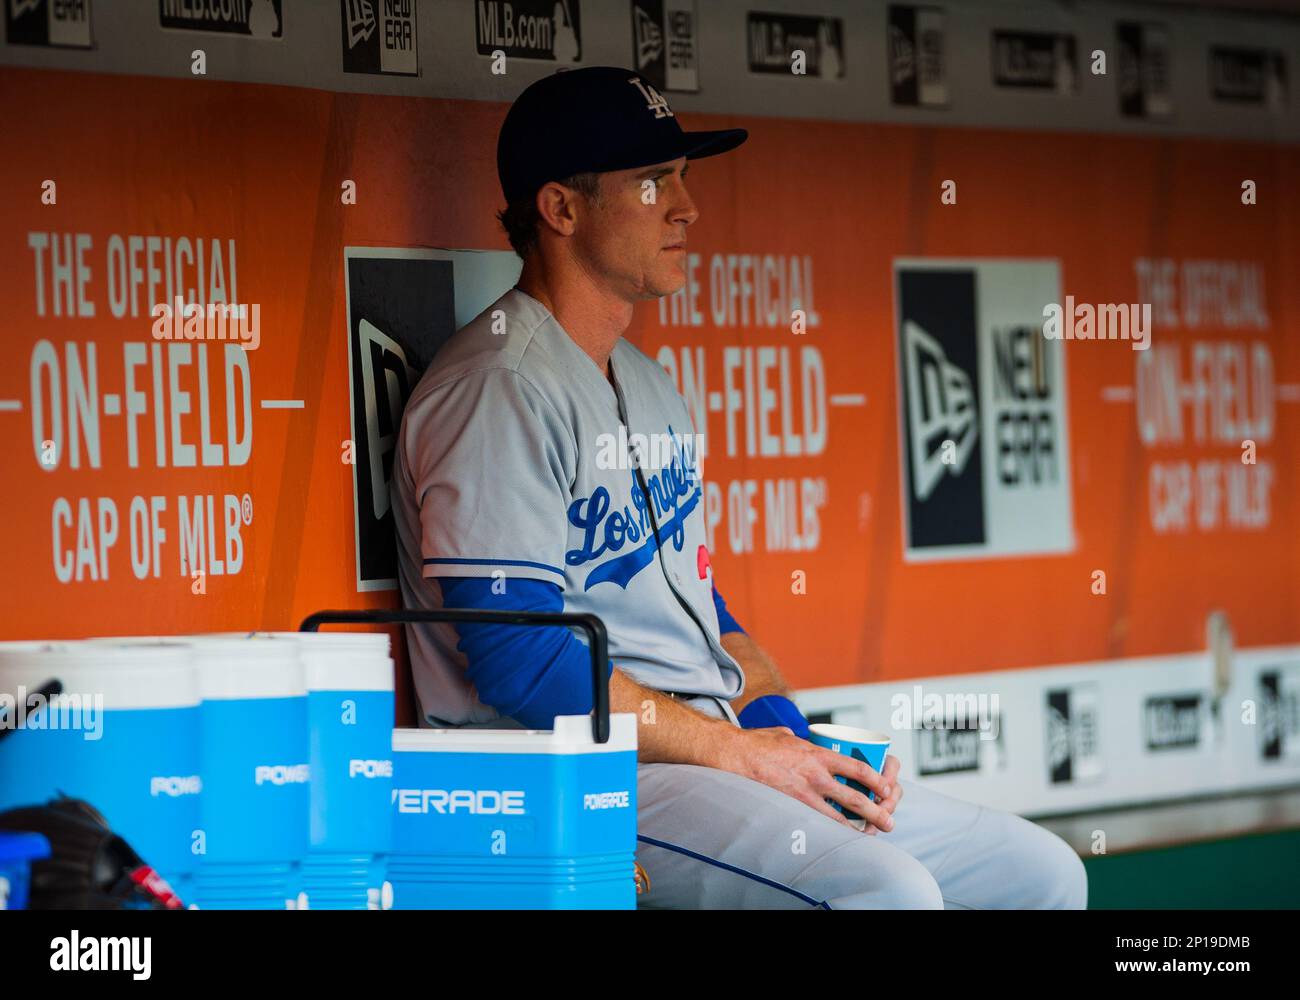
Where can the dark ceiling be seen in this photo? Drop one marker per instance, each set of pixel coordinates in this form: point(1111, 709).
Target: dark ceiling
point(1288, 7)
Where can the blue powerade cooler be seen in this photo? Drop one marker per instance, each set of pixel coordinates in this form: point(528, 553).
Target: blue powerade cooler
point(123, 734)
point(253, 751)
point(513, 818)
point(350, 724)
point(349, 681)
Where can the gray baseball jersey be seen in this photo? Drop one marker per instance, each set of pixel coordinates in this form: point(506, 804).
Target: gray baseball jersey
point(515, 457)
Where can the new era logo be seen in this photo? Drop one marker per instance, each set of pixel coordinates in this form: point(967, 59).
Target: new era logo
point(982, 410)
point(941, 408)
point(386, 381)
point(400, 309)
point(648, 37)
point(360, 21)
point(654, 101)
point(1073, 729)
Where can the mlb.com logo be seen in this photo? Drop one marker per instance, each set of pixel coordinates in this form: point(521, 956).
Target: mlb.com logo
point(529, 29)
point(1174, 722)
point(961, 742)
point(984, 442)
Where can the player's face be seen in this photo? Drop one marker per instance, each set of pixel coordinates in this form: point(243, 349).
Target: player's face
point(633, 237)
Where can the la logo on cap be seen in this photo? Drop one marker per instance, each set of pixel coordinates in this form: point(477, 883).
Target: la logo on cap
point(654, 100)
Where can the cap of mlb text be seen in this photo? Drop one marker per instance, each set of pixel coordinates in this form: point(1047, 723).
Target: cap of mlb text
point(594, 119)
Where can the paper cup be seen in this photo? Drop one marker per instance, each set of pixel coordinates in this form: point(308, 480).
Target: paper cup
point(861, 744)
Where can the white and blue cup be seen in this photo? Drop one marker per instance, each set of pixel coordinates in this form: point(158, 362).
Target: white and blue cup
point(350, 711)
point(123, 735)
point(865, 745)
point(254, 761)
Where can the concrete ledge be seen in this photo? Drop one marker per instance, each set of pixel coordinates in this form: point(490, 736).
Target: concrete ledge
point(1173, 824)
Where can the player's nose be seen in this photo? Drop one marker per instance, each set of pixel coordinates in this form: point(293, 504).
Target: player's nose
point(683, 210)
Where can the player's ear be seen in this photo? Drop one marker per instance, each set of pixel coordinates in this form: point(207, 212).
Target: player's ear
point(557, 207)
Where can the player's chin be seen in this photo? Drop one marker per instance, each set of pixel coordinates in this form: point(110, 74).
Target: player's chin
point(668, 277)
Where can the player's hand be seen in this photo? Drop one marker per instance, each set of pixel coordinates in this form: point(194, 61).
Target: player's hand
point(888, 802)
point(806, 772)
point(890, 777)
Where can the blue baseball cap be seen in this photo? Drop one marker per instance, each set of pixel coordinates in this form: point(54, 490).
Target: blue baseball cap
point(594, 119)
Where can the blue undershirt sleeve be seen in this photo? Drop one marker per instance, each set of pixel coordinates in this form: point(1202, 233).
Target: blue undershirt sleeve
point(527, 673)
point(726, 621)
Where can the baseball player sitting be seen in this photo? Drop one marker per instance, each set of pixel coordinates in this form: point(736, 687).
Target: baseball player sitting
point(510, 496)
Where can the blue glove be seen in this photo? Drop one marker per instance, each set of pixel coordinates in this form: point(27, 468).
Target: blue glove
point(774, 710)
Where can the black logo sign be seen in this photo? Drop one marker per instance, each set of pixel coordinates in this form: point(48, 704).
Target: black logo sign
point(379, 36)
point(1036, 60)
point(1060, 756)
point(955, 748)
point(982, 416)
point(943, 470)
point(400, 311)
point(947, 751)
point(259, 18)
point(54, 23)
point(1279, 713)
point(1248, 76)
point(774, 38)
point(1072, 735)
point(917, 73)
point(648, 40)
point(663, 43)
point(529, 29)
point(1270, 715)
point(1172, 722)
point(1143, 69)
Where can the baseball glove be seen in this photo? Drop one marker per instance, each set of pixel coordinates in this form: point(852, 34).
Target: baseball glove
point(89, 867)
